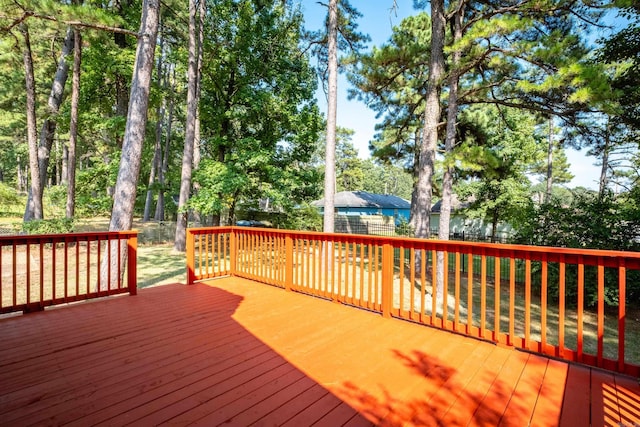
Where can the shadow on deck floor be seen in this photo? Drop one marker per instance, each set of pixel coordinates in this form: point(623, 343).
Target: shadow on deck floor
point(236, 352)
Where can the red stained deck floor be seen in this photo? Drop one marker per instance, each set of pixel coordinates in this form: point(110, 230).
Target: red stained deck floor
point(236, 352)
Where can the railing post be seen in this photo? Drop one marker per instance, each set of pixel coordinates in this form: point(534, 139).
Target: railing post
point(132, 264)
point(387, 279)
point(191, 250)
point(288, 262)
point(233, 252)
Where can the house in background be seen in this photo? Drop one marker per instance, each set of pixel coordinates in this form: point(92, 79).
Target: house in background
point(368, 213)
point(462, 227)
point(361, 203)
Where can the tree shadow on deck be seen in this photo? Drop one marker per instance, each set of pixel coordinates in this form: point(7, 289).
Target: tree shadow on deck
point(443, 399)
point(537, 391)
point(173, 354)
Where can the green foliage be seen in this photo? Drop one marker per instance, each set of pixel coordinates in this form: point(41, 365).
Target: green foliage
point(403, 228)
point(499, 190)
point(349, 172)
point(591, 222)
point(92, 184)
point(8, 195)
point(303, 217)
point(57, 195)
point(387, 179)
point(259, 121)
point(391, 80)
point(48, 226)
point(349, 39)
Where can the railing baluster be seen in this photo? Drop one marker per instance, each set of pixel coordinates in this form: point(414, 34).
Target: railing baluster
point(561, 303)
point(401, 268)
point(412, 279)
point(88, 284)
point(99, 267)
point(54, 244)
point(445, 294)
point(527, 302)
point(119, 261)
point(77, 266)
point(15, 275)
point(543, 304)
point(361, 297)
point(512, 298)
point(423, 283)
point(28, 256)
point(483, 294)
point(339, 268)
point(600, 351)
point(434, 286)
point(456, 318)
point(580, 306)
point(109, 264)
point(470, 294)
point(497, 278)
point(622, 294)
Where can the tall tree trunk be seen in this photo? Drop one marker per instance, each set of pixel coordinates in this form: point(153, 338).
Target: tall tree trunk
point(196, 138)
point(162, 172)
point(429, 145)
point(187, 155)
point(494, 225)
point(34, 166)
point(49, 126)
point(605, 161)
point(21, 178)
point(129, 170)
point(64, 169)
point(197, 142)
point(157, 150)
point(332, 108)
point(57, 165)
point(547, 198)
point(73, 127)
point(452, 116)
point(122, 88)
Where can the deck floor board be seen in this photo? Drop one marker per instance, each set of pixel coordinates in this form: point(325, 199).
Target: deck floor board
point(238, 353)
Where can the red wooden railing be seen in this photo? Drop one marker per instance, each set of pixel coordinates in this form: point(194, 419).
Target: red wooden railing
point(395, 276)
point(42, 270)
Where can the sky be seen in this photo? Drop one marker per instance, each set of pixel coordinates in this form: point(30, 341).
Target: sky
point(377, 21)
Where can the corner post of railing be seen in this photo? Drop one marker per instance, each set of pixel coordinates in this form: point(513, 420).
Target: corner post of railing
point(288, 262)
point(191, 251)
point(387, 279)
point(132, 264)
point(233, 252)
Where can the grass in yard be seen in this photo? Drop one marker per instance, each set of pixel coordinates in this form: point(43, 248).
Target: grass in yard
point(160, 265)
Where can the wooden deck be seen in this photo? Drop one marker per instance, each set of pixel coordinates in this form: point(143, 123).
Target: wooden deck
point(239, 353)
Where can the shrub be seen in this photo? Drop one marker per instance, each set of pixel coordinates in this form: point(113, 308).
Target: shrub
point(48, 226)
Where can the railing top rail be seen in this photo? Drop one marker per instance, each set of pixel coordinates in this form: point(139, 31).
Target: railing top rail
point(93, 235)
point(430, 244)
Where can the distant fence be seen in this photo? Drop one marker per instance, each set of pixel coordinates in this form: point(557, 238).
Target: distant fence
point(350, 226)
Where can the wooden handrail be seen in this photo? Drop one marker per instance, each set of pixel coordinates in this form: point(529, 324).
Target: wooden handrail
point(494, 292)
point(37, 271)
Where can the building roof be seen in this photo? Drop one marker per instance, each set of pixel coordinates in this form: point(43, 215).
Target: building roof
point(456, 204)
point(362, 199)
